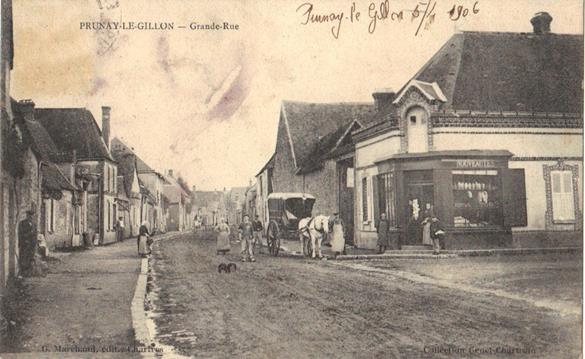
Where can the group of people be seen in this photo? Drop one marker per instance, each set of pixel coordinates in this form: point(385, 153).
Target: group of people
point(249, 235)
point(432, 233)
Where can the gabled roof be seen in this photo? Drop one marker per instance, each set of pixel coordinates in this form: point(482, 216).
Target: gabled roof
point(307, 123)
point(496, 71)
point(74, 129)
point(119, 147)
point(328, 146)
point(269, 164)
point(126, 169)
point(431, 91)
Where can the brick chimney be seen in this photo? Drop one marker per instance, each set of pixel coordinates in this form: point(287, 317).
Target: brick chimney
point(541, 22)
point(383, 99)
point(106, 124)
point(27, 108)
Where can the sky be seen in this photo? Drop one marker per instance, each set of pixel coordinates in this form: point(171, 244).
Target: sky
point(206, 103)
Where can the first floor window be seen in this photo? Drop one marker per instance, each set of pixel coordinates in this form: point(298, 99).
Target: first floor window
point(387, 197)
point(365, 199)
point(51, 216)
point(563, 201)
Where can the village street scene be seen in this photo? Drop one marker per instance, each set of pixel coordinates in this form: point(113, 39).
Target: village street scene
point(439, 215)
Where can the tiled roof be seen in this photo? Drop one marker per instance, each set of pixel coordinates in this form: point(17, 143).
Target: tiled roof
point(42, 143)
point(309, 122)
point(494, 71)
point(54, 179)
point(74, 129)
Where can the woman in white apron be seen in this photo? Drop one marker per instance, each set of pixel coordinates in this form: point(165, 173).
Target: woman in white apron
point(337, 237)
point(143, 235)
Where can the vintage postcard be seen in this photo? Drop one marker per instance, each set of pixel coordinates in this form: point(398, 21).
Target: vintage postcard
point(291, 179)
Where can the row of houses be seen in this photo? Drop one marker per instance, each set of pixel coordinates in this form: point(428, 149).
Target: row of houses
point(487, 136)
point(60, 165)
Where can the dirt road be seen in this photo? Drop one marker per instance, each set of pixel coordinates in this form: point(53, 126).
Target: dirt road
point(297, 308)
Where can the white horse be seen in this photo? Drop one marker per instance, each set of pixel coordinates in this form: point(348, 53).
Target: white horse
point(313, 229)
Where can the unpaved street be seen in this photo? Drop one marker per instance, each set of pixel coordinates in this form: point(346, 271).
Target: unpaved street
point(295, 308)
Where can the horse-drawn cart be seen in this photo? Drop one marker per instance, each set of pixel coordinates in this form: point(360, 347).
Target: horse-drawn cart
point(284, 212)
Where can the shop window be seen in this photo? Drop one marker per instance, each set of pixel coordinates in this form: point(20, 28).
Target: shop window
point(365, 199)
point(563, 202)
point(387, 197)
point(477, 198)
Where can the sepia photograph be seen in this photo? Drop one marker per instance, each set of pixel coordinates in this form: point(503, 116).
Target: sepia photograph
point(291, 179)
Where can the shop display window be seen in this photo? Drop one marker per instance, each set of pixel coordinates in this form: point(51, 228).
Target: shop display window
point(477, 198)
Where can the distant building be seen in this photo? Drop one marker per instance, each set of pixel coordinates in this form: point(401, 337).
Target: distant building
point(76, 130)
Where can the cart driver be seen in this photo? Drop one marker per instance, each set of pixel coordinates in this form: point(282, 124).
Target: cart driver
point(246, 234)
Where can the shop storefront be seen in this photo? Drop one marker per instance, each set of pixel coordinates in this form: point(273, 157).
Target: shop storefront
point(474, 193)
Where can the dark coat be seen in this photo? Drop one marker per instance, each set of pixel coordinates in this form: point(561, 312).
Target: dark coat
point(383, 229)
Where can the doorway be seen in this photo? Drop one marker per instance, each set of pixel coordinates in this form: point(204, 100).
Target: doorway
point(345, 172)
point(419, 202)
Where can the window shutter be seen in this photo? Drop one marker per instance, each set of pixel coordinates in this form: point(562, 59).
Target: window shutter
point(514, 197)
point(376, 198)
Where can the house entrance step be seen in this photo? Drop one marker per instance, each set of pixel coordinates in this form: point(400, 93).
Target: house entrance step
point(416, 248)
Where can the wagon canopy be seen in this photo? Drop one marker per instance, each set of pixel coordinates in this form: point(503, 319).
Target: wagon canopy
point(294, 205)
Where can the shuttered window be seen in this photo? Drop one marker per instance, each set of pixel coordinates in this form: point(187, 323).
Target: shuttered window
point(563, 202)
point(365, 199)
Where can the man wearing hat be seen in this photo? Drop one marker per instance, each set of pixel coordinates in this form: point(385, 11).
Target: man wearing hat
point(27, 242)
point(246, 234)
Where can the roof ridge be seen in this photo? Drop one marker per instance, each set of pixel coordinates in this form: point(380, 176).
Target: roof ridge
point(328, 103)
point(512, 33)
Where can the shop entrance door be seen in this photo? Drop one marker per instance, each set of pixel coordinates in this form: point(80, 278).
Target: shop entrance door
point(419, 201)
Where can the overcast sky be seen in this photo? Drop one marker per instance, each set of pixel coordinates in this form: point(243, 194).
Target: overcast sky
point(206, 103)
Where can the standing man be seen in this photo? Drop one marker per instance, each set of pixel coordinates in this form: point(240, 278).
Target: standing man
point(437, 234)
point(120, 229)
point(246, 234)
point(27, 243)
point(258, 228)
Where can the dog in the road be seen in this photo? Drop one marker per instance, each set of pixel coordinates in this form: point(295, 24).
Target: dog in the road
point(227, 268)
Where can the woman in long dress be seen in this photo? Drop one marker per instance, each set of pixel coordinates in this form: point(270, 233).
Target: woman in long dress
point(143, 235)
point(337, 235)
point(223, 237)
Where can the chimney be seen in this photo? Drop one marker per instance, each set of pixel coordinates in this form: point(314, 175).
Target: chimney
point(541, 22)
point(106, 124)
point(383, 99)
point(170, 173)
point(27, 108)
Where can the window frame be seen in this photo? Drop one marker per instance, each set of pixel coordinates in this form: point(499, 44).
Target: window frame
point(365, 202)
point(551, 222)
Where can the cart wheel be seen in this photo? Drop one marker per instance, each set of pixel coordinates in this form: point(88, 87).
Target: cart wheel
point(273, 238)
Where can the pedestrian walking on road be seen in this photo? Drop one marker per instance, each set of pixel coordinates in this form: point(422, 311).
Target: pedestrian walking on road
point(27, 243)
point(120, 229)
point(246, 235)
point(437, 234)
point(223, 237)
point(337, 235)
point(383, 229)
point(258, 229)
point(144, 240)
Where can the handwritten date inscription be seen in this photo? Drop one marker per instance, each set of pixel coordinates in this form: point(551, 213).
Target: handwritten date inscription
point(423, 12)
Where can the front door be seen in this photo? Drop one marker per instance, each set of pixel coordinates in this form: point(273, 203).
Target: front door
point(345, 181)
point(419, 201)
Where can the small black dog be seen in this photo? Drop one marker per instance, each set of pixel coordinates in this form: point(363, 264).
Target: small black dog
point(226, 267)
